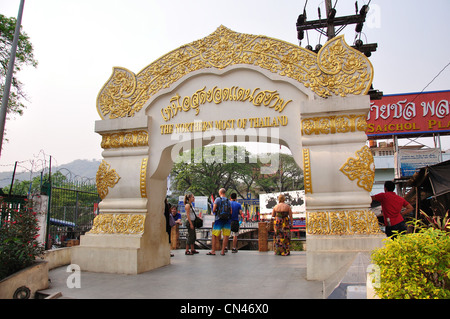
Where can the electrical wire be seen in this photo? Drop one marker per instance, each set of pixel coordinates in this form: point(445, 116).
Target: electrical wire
point(439, 73)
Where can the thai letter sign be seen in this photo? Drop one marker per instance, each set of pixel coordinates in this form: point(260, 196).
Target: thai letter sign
point(411, 113)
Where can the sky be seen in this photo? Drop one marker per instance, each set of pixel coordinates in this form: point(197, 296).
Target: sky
point(78, 42)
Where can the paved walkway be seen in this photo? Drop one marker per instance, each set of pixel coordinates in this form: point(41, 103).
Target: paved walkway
point(245, 275)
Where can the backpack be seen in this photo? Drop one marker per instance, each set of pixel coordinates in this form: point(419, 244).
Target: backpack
point(224, 209)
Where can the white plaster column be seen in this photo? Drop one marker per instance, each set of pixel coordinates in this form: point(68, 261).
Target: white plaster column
point(120, 240)
point(338, 170)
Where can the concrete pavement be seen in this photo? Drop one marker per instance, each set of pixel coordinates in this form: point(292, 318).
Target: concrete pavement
point(244, 275)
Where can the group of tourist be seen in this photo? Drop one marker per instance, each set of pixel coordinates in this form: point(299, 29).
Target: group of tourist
point(226, 221)
point(227, 213)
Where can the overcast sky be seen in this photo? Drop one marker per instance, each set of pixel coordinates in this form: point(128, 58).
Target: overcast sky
point(78, 42)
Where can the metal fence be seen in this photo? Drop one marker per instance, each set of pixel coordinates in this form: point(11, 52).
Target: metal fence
point(10, 202)
point(73, 207)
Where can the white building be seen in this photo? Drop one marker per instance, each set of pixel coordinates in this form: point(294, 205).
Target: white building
point(384, 160)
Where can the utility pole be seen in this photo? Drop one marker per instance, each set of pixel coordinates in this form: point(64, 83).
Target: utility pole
point(331, 21)
point(327, 27)
point(331, 12)
point(9, 75)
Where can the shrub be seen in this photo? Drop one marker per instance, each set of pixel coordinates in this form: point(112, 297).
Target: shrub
point(415, 266)
point(18, 233)
point(438, 222)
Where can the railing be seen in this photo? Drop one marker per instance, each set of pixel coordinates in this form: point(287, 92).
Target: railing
point(10, 202)
point(73, 207)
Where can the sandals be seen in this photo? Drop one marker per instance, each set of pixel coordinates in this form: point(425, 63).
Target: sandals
point(211, 254)
point(188, 253)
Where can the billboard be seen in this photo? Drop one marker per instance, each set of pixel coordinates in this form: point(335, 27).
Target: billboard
point(410, 161)
point(200, 205)
point(294, 198)
point(412, 113)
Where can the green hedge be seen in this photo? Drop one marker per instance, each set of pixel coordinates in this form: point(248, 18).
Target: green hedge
point(415, 266)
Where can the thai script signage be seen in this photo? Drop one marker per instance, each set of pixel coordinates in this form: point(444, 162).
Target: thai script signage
point(258, 97)
point(412, 113)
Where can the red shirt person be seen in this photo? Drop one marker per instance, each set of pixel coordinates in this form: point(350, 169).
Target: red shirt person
point(391, 207)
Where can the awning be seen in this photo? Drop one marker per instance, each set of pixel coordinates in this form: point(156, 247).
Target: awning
point(58, 222)
point(439, 176)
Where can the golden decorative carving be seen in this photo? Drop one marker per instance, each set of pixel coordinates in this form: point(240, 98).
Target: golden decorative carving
point(317, 223)
point(361, 168)
point(334, 124)
point(344, 222)
point(106, 177)
point(103, 223)
point(338, 222)
point(125, 139)
point(307, 171)
point(143, 179)
point(118, 224)
point(337, 69)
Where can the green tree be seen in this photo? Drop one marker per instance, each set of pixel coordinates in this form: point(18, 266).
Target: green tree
point(205, 176)
point(24, 56)
point(235, 169)
point(288, 176)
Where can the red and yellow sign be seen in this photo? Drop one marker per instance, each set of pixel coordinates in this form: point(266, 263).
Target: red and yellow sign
point(412, 113)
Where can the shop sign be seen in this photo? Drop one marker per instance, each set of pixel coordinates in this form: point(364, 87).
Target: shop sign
point(412, 113)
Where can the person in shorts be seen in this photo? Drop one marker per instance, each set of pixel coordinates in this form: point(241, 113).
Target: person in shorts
point(236, 211)
point(220, 225)
point(190, 217)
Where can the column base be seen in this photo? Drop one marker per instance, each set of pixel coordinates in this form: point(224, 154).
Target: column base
point(123, 254)
point(328, 254)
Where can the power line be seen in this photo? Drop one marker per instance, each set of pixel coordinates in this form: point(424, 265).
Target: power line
point(439, 73)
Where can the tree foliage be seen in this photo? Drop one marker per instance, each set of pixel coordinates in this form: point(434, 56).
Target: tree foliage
point(204, 171)
point(24, 56)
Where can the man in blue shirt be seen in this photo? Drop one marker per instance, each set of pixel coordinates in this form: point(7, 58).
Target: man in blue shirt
point(220, 225)
point(176, 215)
point(236, 211)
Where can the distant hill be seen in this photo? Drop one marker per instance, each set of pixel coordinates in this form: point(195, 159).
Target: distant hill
point(81, 168)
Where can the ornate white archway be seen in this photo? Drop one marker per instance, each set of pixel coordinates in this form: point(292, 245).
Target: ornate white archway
point(232, 85)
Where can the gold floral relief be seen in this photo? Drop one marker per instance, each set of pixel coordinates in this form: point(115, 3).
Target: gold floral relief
point(103, 223)
point(334, 124)
point(317, 223)
point(124, 139)
point(338, 223)
point(136, 224)
point(118, 224)
point(352, 222)
point(106, 177)
point(337, 69)
point(361, 168)
point(357, 222)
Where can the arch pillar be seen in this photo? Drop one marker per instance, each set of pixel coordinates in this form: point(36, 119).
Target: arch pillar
point(338, 173)
point(128, 236)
